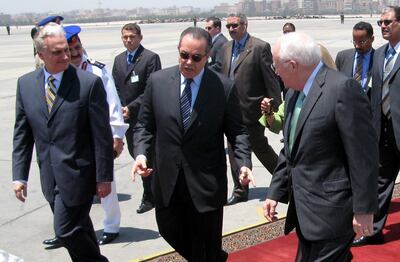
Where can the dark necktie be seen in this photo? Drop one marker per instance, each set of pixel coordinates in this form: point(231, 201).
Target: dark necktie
point(385, 87)
point(186, 101)
point(235, 56)
point(51, 92)
point(359, 68)
point(130, 59)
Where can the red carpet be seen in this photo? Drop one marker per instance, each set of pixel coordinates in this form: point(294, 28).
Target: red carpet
point(283, 249)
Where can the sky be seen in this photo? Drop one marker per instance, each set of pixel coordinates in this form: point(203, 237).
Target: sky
point(41, 6)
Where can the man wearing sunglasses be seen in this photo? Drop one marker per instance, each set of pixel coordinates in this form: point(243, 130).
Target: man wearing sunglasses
point(357, 62)
point(385, 102)
point(213, 27)
point(186, 112)
point(130, 72)
point(247, 60)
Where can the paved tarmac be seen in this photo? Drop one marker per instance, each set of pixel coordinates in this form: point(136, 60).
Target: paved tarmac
point(23, 227)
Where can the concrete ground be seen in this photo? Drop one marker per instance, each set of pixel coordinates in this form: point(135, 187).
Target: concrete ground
point(23, 227)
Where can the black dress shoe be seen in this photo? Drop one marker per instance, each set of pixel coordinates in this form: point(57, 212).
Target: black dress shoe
point(236, 199)
point(144, 207)
point(53, 243)
point(376, 239)
point(107, 238)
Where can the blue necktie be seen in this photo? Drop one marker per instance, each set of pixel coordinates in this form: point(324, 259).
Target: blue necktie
point(186, 101)
point(130, 59)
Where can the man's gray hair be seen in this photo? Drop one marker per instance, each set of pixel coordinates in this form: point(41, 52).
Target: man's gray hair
point(51, 29)
point(299, 47)
point(242, 17)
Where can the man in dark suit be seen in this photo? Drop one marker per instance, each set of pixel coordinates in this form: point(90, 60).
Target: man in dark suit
point(213, 27)
point(385, 102)
point(357, 62)
point(131, 70)
point(327, 170)
point(247, 60)
point(186, 111)
point(64, 113)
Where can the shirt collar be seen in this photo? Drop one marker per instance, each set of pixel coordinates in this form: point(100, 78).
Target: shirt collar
point(311, 78)
point(242, 40)
point(57, 76)
point(132, 53)
point(196, 79)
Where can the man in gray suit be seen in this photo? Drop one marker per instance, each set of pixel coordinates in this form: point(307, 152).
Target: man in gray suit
point(213, 27)
point(63, 112)
point(385, 102)
point(247, 60)
point(357, 62)
point(131, 70)
point(326, 170)
point(186, 112)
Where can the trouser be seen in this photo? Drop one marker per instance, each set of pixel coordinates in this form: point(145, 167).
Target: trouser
point(112, 211)
point(146, 181)
point(73, 226)
point(389, 165)
point(195, 236)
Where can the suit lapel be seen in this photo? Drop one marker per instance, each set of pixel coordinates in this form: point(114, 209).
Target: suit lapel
point(136, 60)
point(40, 93)
point(64, 89)
point(290, 102)
point(350, 66)
point(201, 98)
point(380, 61)
point(174, 93)
point(310, 101)
point(228, 58)
point(247, 50)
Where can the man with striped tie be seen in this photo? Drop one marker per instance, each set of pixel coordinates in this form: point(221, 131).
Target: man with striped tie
point(64, 113)
point(385, 102)
point(186, 112)
point(357, 62)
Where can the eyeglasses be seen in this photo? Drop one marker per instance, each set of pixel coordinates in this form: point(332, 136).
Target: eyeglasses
point(362, 42)
point(208, 28)
point(196, 57)
point(275, 67)
point(386, 22)
point(234, 26)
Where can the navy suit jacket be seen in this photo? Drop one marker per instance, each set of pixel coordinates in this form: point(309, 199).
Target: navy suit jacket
point(144, 63)
point(345, 63)
point(74, 144)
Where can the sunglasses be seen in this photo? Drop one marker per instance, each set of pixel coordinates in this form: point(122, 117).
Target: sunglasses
point(234, 26)
point(196, 57)
point(386, 22)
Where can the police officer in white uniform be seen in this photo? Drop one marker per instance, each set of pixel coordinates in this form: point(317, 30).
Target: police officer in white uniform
point(110, 203)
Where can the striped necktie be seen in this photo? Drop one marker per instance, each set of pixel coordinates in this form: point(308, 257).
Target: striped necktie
point(385, 87)
point(51, 92)
point(186, 101)
point(359, 68)
point(295, 118)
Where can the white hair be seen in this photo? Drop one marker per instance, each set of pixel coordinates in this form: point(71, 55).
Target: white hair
point(51, 29)
point(299, 47)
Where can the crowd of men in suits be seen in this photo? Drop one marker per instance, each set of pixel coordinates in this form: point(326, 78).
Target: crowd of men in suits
point(340, 158)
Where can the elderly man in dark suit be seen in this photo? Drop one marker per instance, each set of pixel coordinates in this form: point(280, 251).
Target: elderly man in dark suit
point(213, 27)
point(131, 70)
point(357, 62)
point(328, 167)
point(385, 102)
point(247, 60)
point(64, 113)
point(186, 111)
